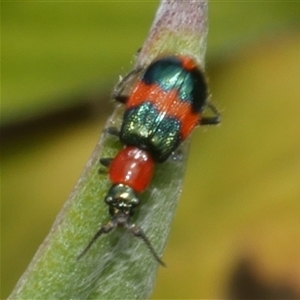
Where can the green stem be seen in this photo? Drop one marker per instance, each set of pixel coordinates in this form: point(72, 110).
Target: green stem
point(118, 266)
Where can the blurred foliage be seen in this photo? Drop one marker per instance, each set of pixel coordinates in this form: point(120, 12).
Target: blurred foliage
point(241, 196)
point(52, 49)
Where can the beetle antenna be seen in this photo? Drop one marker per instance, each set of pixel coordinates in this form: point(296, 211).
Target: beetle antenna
point(135, 230)
point(104, 229)
point(138, 232)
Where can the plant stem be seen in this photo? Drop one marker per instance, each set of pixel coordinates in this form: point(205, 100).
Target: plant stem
point(118, 266)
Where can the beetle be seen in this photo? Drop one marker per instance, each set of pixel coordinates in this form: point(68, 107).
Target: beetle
point(164, 105)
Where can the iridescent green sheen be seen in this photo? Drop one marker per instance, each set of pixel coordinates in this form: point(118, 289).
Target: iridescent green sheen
point(169, 74)
point(146, 128)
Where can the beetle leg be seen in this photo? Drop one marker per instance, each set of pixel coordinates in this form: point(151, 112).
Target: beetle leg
point(214, 120)
point(122, 90)
point(120, 98)
point(106, 161)
point(113, 131)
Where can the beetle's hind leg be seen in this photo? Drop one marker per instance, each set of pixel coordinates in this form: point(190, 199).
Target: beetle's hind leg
point(105, 161)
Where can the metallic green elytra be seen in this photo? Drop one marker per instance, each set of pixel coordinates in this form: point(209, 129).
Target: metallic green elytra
point(169, 73)
point(164, 106)
point(144, 127)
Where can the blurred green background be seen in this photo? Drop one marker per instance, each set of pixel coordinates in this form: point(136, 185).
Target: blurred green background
point(237, 224)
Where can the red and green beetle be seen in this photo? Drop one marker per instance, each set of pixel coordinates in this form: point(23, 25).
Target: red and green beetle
point(165, 104)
